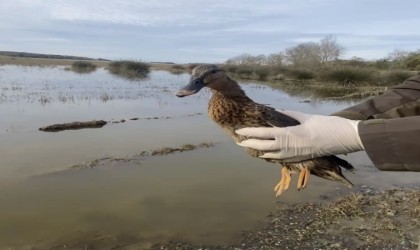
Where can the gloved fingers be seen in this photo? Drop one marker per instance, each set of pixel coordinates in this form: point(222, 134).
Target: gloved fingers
point(284, 156)
point(258, 132)
point(264, 145)
point(271, 155)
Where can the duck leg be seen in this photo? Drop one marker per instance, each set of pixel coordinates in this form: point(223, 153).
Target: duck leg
point(303, 178)
point(284, 182)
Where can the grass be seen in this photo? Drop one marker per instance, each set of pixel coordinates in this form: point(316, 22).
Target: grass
point(129, 69)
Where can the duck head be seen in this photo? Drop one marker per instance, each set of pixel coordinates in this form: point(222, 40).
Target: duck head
point(203, 76)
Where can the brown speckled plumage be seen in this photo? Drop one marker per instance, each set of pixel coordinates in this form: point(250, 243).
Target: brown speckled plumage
point(232, 109)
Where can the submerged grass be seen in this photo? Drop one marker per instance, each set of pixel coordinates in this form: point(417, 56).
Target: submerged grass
point(185, 147)
point(146, 153)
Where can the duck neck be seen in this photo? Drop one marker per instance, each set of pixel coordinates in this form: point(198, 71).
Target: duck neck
point(231, 89)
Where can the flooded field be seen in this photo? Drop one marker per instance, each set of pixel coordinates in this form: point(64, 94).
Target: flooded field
point(208, 195)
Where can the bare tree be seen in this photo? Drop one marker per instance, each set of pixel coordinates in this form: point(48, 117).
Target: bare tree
point(260, 60)
point(398, 57)
point(311, 54)
point(248, 59)
point(304, 55)
point(275, 59)
point(241, 59)
point(329, 49)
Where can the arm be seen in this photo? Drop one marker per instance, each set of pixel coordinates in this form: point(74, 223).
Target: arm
point(387, 127)
point(392, 144)
point(400, 101)
point(391, 132)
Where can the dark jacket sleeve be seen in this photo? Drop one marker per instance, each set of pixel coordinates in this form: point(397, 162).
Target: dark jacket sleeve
point(390, 126)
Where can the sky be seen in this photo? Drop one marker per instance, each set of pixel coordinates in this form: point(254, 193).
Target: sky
point(212, 31)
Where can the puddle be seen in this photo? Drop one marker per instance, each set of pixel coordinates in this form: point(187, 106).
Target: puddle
point(207, 195)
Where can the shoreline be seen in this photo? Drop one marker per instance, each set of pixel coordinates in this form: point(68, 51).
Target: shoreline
point(365, 219)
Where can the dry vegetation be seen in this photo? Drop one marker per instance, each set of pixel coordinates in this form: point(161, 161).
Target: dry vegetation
point(174, 68)
point(129, 69)
point(319, 62)
point(83, 67)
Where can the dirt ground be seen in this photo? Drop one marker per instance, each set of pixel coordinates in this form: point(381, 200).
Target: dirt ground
point(364, 219)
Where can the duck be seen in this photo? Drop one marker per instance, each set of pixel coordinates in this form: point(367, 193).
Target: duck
point(232, 109)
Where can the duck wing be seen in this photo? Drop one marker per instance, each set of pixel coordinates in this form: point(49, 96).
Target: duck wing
point(259, 115)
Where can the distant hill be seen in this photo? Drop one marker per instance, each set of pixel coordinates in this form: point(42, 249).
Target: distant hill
point(37, 55)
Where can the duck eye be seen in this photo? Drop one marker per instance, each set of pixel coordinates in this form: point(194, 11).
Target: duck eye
point(197, 81)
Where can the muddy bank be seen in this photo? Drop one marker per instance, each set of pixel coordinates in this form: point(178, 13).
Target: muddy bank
point(365, 219)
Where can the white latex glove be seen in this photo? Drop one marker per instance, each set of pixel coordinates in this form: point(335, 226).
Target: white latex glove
point(316, 136)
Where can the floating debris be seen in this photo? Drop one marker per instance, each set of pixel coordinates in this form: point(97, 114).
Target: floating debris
point(101, 123)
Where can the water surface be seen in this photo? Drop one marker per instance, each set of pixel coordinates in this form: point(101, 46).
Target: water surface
point(206, 195)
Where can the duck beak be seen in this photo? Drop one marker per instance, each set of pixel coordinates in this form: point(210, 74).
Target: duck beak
point(191, 88)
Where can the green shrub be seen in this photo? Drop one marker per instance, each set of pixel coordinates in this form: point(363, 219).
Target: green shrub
point(231, 68)
point(129, 69)
point(83, 67)
point(244, 70)
point(383, 64)
point(261, 72)
point(396, 76)
point(349, 76)
point(413, 62)
point(277, 70)
point(300, 74)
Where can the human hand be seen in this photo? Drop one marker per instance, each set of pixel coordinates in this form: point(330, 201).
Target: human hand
point(316, 136)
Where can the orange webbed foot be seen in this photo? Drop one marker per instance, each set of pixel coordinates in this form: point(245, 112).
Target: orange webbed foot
point(284, 182)
point(303, 178)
